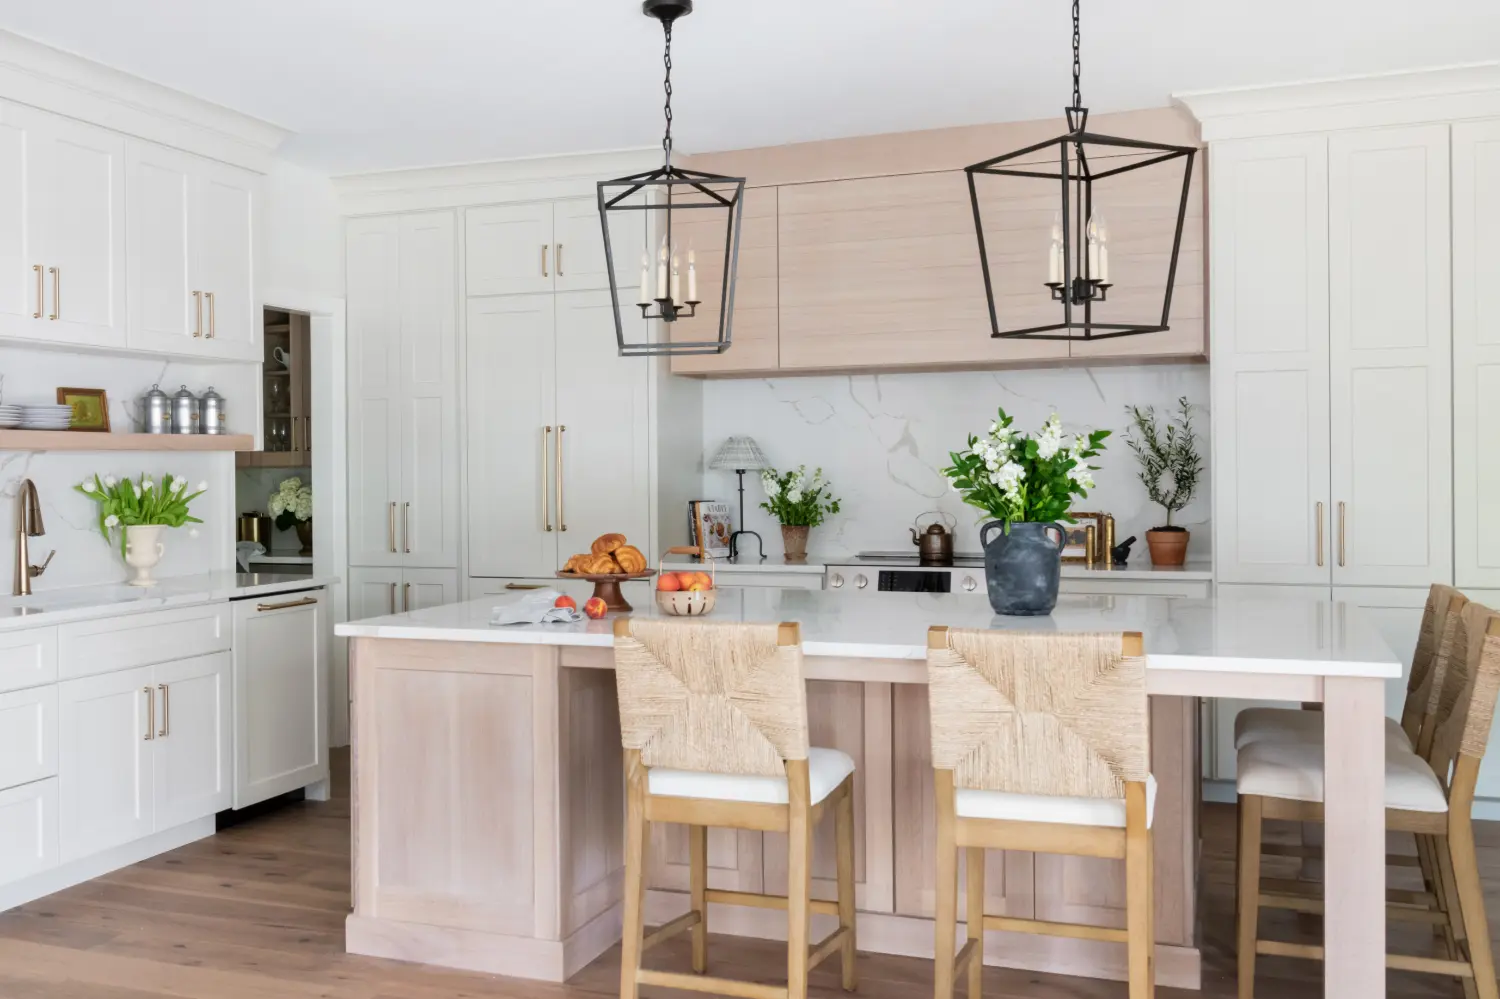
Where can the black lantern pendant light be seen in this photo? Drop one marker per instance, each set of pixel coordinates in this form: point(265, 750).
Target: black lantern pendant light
point(669, 275)
point(1078, 265)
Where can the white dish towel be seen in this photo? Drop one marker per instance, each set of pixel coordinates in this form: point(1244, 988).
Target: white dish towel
point(535, 607)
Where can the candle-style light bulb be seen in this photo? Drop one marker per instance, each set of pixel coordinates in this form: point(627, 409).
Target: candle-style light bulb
point(645, 297)
point(1093, 239)
point(1103, 251)
point(661, 270)
point(676, 281)
point(692, 277)
point(1055, 251)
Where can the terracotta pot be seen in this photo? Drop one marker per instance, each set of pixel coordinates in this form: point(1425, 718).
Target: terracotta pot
point(304, 535)
point(794, 542)
point(1167, 547)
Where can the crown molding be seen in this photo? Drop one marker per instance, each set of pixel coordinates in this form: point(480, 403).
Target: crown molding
point(66, 84)
point(533, 178)
point(1450, 93)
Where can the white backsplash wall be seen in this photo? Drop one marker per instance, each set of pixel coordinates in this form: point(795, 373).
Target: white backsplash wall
point(83, 557)
point(881, 440)
point(253, 488)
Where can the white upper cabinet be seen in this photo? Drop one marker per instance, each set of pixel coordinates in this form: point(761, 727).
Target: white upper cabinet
point(21, 269)
point(579, 254)
point(224, 215)
point(1391, 345)
point(372, 264)
point(509, 249)
point(1270, 372)
point(1476, 353)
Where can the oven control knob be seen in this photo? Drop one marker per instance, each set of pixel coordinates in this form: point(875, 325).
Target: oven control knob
point(860, 581)
point(835, 581)
point(969, 584)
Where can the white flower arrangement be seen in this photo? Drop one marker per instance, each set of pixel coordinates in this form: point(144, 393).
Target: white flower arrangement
point(797, 499)
point(291, 502)
point(130, 504)
point(1017, 477)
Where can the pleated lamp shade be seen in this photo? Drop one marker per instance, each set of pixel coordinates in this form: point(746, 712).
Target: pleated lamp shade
point(738, 453)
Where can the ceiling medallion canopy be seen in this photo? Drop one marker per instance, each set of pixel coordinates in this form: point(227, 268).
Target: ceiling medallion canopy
point(1078, 267)
point(691, 218)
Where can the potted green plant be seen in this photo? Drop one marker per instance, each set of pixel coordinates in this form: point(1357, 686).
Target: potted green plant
point(800, 502)
point(292, 506)
point(1025, 483)
point(1170, 469)
point(138, 509)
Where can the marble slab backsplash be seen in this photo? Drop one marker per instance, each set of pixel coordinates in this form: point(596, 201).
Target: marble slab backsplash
point(83, 557)
point(881, 440)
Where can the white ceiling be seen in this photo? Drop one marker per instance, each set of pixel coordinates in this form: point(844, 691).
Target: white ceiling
point(379, 84)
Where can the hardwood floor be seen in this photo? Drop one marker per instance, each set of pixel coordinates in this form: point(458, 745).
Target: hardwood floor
point(257, 912)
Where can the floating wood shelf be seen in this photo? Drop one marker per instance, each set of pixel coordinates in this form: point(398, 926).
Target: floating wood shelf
point(74, 440)
point(273, 459)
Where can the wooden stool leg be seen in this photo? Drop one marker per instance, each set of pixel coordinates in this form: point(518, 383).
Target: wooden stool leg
point(1443, 860)
point(799, 880)
point(974, 858)
point(1248, 917)
point(1432, 880)
point(1138, 900)
point(1471, 904)
point(945, 911)
point(698, 879)
point(843, 834)
point(635, 875)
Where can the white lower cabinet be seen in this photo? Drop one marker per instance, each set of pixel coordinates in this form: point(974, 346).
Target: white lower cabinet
point(280, 695)
point(28, 735)
point(28, 829)
point(105, 759)
point(379, 590)
point(194, 739)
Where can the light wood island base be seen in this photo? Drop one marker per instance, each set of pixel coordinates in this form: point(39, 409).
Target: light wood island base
point(488, 801)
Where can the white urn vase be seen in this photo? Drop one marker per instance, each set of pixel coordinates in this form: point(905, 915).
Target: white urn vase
point(143, 549)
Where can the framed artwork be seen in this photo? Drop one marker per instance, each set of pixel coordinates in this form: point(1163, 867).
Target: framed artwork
point(1084, 539)
point(90, 408)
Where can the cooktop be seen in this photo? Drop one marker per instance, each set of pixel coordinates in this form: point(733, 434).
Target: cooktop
point(902, 560)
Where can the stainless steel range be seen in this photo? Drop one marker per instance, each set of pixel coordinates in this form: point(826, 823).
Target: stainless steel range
point(904, 572)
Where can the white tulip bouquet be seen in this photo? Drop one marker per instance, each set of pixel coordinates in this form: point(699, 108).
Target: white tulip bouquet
point(291, 502)
point(1016, 477)
point(132, 502)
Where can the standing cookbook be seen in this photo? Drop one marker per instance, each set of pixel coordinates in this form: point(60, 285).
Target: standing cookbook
point(709, 526)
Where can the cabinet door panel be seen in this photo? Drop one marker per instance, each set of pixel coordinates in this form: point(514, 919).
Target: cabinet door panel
point(105, 761)
point(755, 332)
point(19, 251)
point(224, 229)
point(374, 592)
point(1391, 344)
point(159, 225)
point(579, 247)
point(429, 396)
point(373, 258)
point(28, 735)
point(83, 231)
point(1476, 352)
point(28, 829)
point(603, 444)
point(424, 588)
point(195, 739)
point(1270, 371)
point(511, 401)
point(508, 249)
point(280, 696)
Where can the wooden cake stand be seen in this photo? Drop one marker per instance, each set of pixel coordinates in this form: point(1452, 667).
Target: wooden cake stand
point(607, 586)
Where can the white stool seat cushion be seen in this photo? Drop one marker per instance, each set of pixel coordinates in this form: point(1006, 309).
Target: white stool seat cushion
point(826, 770)
point(1295, 725)
point(1294, 770)
point(1106, 812)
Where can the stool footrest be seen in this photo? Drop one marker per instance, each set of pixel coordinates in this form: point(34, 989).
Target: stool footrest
point(755, 900)
point(965, 955)
point(667, 931)
point(719, 986)
point(1077, 931)
point(826, 947)
point(1396, 962)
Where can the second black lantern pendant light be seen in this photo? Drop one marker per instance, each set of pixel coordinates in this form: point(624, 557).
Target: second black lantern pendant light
point(1078, 267)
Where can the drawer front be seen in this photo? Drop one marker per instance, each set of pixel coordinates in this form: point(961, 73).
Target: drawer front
point(28, 830)
point(109, 644)
point(28, 735)
point(27, 658)
point(783, 580)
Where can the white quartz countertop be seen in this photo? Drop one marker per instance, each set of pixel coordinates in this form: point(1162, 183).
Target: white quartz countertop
point(79, 603)
point(817, 564)
point(1235, 634)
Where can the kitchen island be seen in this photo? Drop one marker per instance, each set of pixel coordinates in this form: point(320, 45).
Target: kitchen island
point(488, 792)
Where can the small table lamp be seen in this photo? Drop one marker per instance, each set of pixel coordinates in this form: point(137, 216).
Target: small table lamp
point(741, 454)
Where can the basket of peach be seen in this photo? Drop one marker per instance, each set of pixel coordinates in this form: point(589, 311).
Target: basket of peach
point(688, 593)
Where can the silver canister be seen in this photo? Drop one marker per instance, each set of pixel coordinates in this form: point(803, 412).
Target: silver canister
point(158, 408)
point(184, 412)
point(211, 415)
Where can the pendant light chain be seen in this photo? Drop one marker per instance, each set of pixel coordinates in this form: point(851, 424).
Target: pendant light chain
point(1077, 62)
point(666, 139)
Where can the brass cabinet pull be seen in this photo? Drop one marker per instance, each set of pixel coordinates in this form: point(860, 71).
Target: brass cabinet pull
point(1320, 532)
point(198, 310)
point(523, 586)
point(150, 713)
point(546, 496)
point(41, 291)
point(391, 527)
point(1342, 518)
point(393, 598)
point(406, 596)
point(307, 434)
point(166, 710)
point(406, 527)
point(213, 328)
point(559, 260)
point(544, 261)
point(56, 273)
point(304, 602)
point(562, 517)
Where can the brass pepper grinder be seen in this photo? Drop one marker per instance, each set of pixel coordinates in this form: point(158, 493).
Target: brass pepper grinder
point(28, 525)
point(1109, 540)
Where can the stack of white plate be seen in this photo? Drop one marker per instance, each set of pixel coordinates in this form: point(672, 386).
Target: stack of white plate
point(11, 416)
point(46, 417)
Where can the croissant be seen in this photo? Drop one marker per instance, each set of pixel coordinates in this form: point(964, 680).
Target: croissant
point(598, 564)
point(573, 563)
point(630, 558)
point(606, 543)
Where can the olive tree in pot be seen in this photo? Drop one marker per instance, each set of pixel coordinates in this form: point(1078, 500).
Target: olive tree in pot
point(1170, 468)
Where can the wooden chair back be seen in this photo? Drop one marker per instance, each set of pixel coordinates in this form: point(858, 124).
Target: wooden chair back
point(709, 696)
point(1466, 705)
point(1435, 647)
point(1039, 713)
